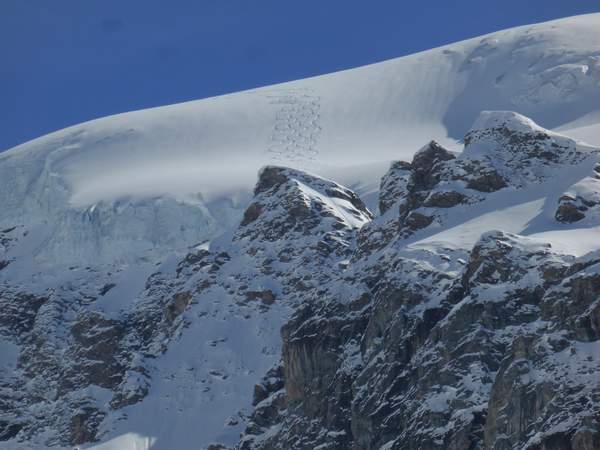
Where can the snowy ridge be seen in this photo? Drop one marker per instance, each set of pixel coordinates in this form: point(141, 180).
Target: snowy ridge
point(506, 140)
point(505, 119)
point(203, 155)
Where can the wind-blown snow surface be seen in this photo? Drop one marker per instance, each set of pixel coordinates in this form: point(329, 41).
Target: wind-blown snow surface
point(107, 184)
point(125, 193)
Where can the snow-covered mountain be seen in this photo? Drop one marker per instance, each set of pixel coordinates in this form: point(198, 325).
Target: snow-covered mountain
point(447, 298)
point(170, 177)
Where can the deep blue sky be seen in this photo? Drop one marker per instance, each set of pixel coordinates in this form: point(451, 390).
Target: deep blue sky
point(67, 61)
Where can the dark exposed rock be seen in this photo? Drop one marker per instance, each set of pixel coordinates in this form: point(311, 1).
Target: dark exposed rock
point(106, 288)
point(96, 339)
point(178, 304)
point(287, 208)
point(251, 213)
point(84, 426)
point(18, 312)
point(416, 220)
point(444, 199)
point(9, 430)
point(503, 150)
point(425, 167)
point(393, 185)
point(436, 180)
point(270, 177)
point(451, 375)
point(486, 180)
point(267, 296)
point(573, 207)
point(568, 212)
point(271, 383)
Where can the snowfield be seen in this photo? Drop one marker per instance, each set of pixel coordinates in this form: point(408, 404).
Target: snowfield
point(103, 214)
point(128, 179)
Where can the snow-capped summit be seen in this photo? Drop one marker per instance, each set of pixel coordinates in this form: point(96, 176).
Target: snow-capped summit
point(505, 119)
point(521, 149)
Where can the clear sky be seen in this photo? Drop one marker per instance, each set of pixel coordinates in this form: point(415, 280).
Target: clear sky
point(68, 61)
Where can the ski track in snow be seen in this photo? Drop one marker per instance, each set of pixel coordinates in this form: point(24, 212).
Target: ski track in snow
point(296, 127)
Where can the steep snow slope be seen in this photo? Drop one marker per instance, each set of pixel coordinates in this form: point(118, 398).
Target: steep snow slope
point(100, 187)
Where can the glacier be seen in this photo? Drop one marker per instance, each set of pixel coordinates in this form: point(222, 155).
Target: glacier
point(198, 160)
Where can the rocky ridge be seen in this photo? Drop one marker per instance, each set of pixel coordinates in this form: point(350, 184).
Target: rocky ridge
point(403, 351)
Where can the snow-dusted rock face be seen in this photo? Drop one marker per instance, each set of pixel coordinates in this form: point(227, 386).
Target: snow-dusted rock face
point(206, 325)
point(581, 200)
point(407, 349)
point(504, 150)
point(315, 324)
point(149, 299)
point(311, 207)
point(393, 185)
point(516, 146)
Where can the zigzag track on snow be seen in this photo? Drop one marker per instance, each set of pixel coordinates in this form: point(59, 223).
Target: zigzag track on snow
point(297, 126)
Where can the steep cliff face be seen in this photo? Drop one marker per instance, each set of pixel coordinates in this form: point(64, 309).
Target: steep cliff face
point(440, 340)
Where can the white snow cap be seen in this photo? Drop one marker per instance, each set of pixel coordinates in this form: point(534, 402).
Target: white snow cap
point(103, 186)
point(505, 119)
